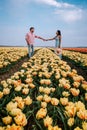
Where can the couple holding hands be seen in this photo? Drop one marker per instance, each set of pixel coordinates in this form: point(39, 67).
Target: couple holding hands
point(30, 37)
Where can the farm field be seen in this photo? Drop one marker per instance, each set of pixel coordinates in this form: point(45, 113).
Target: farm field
point(82, 50)
point(43, 92)
point(10, 56)
point(77, 59)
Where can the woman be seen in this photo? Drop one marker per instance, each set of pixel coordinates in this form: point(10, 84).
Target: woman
point(58, 48)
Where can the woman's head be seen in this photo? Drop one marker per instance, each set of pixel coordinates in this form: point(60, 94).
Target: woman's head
point(58, 32)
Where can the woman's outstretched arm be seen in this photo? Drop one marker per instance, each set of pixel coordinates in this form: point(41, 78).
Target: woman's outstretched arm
point(50, 39)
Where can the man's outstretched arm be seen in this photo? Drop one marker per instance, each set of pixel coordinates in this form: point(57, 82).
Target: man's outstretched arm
point(39, 38)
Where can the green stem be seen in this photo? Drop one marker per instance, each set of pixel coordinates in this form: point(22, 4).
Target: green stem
point(37, 123)
point(62, 117)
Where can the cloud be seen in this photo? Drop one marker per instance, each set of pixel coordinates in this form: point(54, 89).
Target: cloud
point(67, 12)
point(55, 3)
point(70, 15)
point(50, 2)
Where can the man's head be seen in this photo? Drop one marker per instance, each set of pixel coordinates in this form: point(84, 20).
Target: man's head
point(32, 29)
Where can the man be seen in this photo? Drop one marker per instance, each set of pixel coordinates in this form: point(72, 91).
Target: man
point(30, 37)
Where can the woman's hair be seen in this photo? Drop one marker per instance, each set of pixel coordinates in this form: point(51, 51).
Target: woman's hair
point(59, 32)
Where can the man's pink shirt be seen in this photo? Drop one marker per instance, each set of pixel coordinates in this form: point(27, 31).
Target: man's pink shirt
point(30, 38)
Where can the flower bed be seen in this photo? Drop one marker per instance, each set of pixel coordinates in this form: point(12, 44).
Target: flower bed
point(10, 56)
point(47, 91)
point(82, 50)
point(76, 57)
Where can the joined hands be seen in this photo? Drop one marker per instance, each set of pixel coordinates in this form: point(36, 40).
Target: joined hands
point(45, 40)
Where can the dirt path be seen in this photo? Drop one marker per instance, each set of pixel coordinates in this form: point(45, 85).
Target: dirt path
point(80, 71)
point(13, 69)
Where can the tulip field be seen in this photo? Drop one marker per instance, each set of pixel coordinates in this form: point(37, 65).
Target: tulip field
point(45, 93)
point(79, 58)
point(82, 50)
point(9, 56)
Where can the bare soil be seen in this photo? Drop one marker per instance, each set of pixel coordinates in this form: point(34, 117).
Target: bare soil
point(14, 68)
point(80, 71)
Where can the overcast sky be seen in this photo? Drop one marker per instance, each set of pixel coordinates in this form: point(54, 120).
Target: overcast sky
point(47, 16)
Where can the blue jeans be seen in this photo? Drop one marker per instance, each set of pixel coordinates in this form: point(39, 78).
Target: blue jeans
point(30, 50)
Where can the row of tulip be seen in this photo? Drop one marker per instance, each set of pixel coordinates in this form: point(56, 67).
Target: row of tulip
point(82, 50)
point(9, 56)
point(77, 57)
point(46, 93)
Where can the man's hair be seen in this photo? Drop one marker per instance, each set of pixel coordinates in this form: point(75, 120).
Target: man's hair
point(31, 28)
